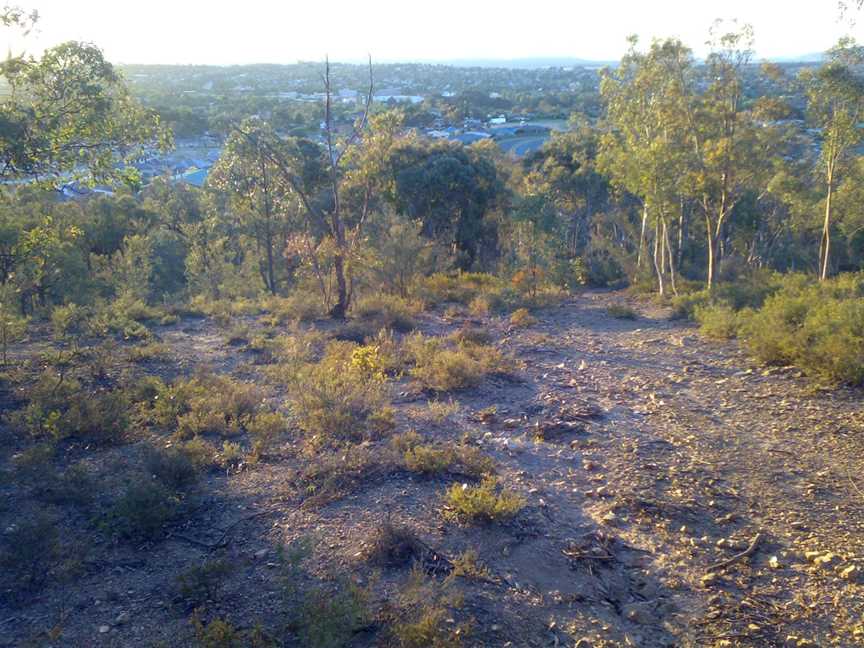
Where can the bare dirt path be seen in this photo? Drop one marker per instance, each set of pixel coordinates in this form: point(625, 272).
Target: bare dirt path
point(697, 452)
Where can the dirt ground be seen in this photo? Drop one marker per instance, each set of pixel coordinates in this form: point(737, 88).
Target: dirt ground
point(678, 495)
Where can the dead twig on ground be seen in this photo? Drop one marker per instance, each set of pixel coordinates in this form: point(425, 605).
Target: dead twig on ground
point(749, 551)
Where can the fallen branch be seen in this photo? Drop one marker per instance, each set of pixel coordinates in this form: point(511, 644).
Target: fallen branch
point(749, 551)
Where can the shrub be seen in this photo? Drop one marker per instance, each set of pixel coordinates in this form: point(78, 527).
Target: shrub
point(468, 566)
point(482, 503)
point(622, 311)
point(394, 546)
point(265, 429)
point(202, 582)
point(59, 407)
point(341, 397)
point(440, 368)
point(522, 318)
point(819, 327)
point(420, 612)
point(29, 549)
point(430, 459)
point(174, 467)
point(302, 305)
point(387, 312)
point(329, 619)
point(142, 511)
point(202, 405)
point(154, 351)
point(720, 322)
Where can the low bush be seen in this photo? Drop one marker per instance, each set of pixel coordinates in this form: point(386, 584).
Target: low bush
point(622, 311)
point(419, 615)
point(719, 322)
point(205, 405)
point(203, 582)
point(439, 459)
point(394, 546)
point(522, 318)
point(440, 367)
point(28, 550)
point(818, 327)
point(485, 502)
point(343, 396)
point(58, 407)
point(387, 312)
point(142, 511)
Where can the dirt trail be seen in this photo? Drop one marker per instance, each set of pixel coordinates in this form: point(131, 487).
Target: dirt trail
point(698, 451)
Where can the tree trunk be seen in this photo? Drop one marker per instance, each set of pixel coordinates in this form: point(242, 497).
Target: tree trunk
point(711, 260)
point(642, 236)
point(671, 260)
point(825, 243)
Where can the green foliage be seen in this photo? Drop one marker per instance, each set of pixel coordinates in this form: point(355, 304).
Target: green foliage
point(29, 550)
point(622, 311)
point(485, 502)
point(341, 397)
point(438, 459)
point(818, 327)
point(387, 312)
point(142, 511)
point(419, 614)
point(205, 405)
point(720, 322)
point(522, 318)
point(202, 582)
point(441, 368)
point(59, 407)
point(328, 618)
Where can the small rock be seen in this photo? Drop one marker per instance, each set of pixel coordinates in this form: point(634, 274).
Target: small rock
point(104, 629)
point(774, 562)
point(260, 554)
point(122, 618)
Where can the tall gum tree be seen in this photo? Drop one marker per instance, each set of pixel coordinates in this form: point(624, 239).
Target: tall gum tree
point(835, 94)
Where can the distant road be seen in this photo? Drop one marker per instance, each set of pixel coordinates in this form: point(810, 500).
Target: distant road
point(520, 146)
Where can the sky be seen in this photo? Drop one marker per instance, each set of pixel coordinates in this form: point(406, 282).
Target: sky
point(225, 32)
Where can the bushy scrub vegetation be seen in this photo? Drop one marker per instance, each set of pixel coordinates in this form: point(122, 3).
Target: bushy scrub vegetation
point(442, 366)
point(792, 320)
point(343, 396)
point(485, 502)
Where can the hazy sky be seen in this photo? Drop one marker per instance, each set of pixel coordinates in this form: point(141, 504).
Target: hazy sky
point(283, 31)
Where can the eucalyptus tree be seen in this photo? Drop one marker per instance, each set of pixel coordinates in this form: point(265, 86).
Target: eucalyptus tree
point(644, 150)
point(257, 192)
point(835, 94)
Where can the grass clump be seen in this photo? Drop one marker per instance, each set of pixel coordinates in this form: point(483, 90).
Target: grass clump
point(522, 318)
point(485, 502)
